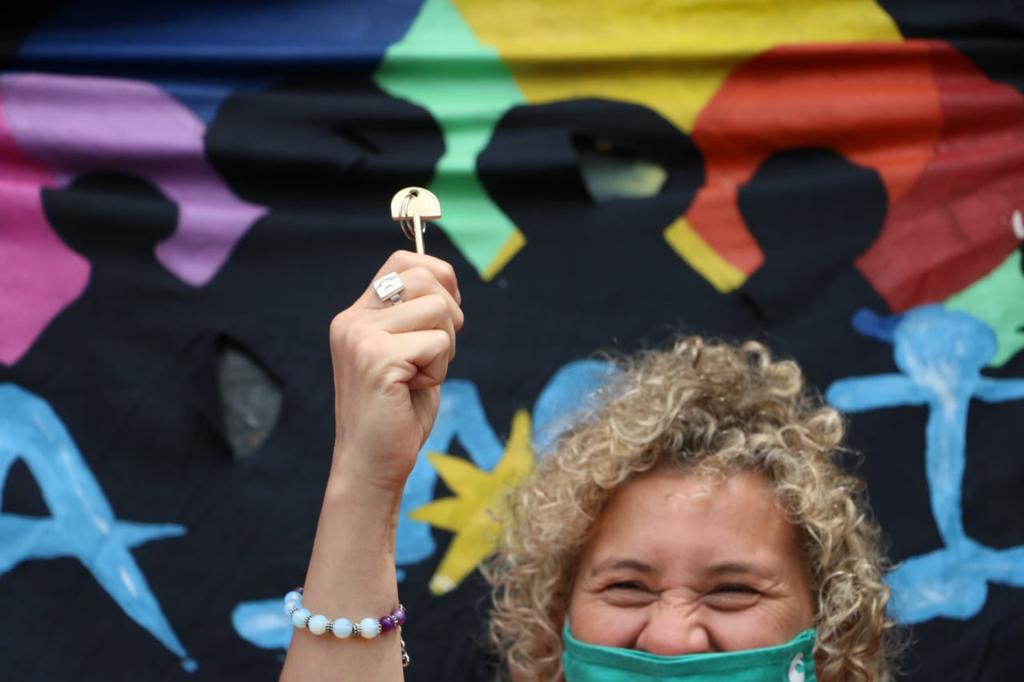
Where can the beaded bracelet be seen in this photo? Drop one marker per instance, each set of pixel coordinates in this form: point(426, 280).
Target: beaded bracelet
point(343, 628)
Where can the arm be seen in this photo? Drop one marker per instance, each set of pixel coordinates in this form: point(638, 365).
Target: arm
point(999, 390)
point(389, 362)
point(873, 392)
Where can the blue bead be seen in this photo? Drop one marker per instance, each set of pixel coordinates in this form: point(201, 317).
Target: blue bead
point(299, 618)
point(318, 624)
point(369, 628)
point(342, 628)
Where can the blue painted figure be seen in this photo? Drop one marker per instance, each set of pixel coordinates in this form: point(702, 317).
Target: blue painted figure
point(940, 354)
point(82, 524)
point(460, 415)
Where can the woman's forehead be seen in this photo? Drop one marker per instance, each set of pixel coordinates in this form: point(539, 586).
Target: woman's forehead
point(668, 515)
point(699, 493)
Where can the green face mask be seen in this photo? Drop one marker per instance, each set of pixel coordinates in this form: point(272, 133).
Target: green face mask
point(789, 662)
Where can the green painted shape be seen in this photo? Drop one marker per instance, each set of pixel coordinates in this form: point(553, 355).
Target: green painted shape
point(998, 300)
point(441, 66)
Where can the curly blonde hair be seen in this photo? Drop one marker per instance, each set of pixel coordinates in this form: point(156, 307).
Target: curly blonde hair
point(707, 406)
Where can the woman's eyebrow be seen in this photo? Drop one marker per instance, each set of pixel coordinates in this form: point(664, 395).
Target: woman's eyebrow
point(740, 568)
point(616, 563)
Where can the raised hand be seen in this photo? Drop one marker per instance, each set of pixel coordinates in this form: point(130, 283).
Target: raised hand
point(389, 361)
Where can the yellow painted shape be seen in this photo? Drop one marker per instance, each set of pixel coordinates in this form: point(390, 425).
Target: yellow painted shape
point(668, 56)
point(473, 512)
point(512, 245)
point(692, 248)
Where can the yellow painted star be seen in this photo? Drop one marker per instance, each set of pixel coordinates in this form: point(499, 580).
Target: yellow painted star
point(472, 514)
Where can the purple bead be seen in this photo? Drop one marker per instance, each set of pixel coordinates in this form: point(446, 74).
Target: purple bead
point(387, 623)
point(399, 616)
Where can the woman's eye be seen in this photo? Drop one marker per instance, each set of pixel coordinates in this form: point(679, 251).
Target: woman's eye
point(626, 585)
point(735, 589)
point(732, 597)
point(628, 593)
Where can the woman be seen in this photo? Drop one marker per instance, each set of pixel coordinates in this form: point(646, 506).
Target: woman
point(695, 526)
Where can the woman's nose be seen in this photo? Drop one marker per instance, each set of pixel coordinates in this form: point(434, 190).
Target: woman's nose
point(671, 633)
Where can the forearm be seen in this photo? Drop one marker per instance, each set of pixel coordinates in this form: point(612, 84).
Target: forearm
point(388, 362)
point(351, 574)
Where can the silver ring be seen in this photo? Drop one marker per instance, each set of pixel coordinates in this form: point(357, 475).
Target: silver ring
point(389, 287)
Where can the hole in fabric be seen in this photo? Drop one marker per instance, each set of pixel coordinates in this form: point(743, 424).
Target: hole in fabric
point(21, 494)
point(250, 398)
point(614, 172)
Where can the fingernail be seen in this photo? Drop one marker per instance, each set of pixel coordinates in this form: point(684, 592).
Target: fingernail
point(458, 296)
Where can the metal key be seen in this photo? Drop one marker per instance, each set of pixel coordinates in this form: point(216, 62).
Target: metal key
point(411, 207)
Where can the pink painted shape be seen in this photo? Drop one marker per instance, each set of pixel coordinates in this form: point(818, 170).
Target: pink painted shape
point(72, 125)
point(39, 274)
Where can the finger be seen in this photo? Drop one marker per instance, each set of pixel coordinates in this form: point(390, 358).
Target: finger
point(433, 311)
point(420, 281)
point(432, 374)
point(424, 357)
point(426, 312)
point(401, 261)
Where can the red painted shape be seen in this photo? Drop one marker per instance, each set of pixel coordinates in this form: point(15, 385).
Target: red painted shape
point(874, 103)
point(954, 225)
point(39, 274)
point(946, 141)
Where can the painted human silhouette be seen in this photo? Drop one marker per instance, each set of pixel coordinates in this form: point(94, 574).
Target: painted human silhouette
point(940, 354)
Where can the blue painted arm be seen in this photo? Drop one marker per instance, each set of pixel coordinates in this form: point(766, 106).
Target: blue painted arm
point(999, 390)
point(873, 392)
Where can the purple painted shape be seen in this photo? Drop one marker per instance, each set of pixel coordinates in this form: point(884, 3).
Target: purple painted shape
point(39, 274)
point(75, 124)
